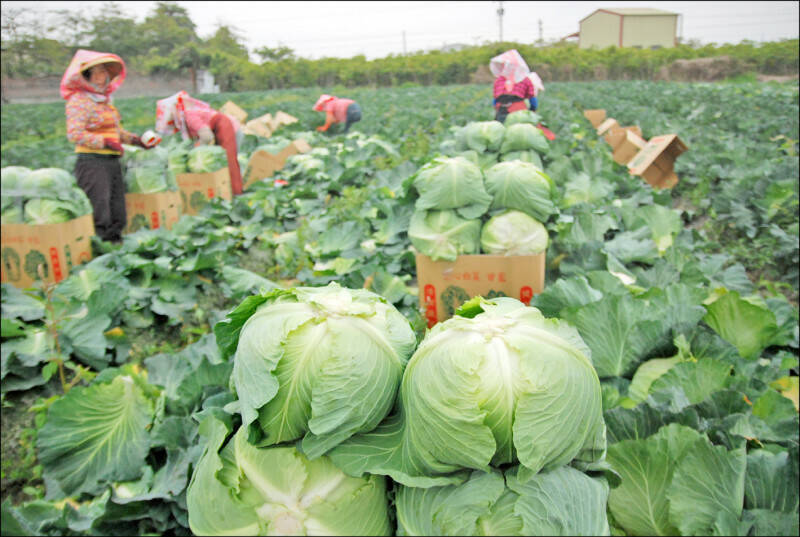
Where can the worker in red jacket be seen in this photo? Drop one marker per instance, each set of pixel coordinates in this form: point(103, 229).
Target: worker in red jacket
point(337, 110)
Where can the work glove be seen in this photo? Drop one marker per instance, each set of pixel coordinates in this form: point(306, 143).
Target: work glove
point(114, 145)
point(135, 140)
point(322, 128)
point(534, 103)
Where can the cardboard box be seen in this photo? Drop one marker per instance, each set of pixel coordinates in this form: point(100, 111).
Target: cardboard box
point(655, 161)
point(625, 144)
point(595, 116)
point(607, 127)
point(152, 211)
point(198, 188)
point(263, 164)
point(232, 109)
point(445, 285)
point(266, 125)
point(59, 247)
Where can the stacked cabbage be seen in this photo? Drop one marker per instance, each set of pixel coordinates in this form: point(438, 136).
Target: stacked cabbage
point(43, 196)
point(463, 209)
point(148, 171)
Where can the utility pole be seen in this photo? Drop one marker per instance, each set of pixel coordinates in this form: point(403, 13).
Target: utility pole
point(500, 12)
point(541, 39)
point(404, 42)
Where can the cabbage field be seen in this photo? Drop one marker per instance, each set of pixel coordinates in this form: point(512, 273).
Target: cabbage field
point(263, 367)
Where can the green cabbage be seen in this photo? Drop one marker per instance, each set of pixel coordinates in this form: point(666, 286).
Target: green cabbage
point(40, 211)
point(522, 186)
point(564, 501)
point(523, 116)
point(525, 156)
point(48, 182)
point(444, 234)
point(452, 183)
point(148, 171)
point(239, 489)
point(481, 136)
point(483, 160)
point(12, 179)
point(319, 364)
point(524, 136)
point(11, 214)
point(513, 233)
point(496, 384)
point(206, 159)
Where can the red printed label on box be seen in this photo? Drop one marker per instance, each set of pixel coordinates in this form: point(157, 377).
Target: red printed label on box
point(430, 304)
point(154, 220)
point(57, 273)
point(210, 193)
point(525, 295)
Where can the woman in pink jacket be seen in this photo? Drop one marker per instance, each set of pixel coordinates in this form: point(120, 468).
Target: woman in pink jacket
point(337, 110)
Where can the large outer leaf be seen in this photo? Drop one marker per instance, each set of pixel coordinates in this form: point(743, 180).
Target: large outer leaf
point(616, 330)
point(697, 381)
point(771, 481)
point(749, 327)
point(96, 434)
point(640, 504)
point(452, 509)
point(563, 501)
point(707, 481)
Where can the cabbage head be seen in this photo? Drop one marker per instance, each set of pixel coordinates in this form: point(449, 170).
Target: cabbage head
point(49, 182)
point(11, 214)
point(452, 183)
point(524, 136)
point(483, 160)
point(239, 489)
point(481, 136)
point(444, 234)
point(206, 159)
point(564, 501)
point(40, 211)
point(522, 186)
point(496, 384)
point(12, 179)
point(523, 116)
point(525, 156)
point(513, 233)
point(319, 364)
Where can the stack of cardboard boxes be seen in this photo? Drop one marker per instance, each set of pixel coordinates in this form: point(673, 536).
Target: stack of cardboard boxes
point(652, 160)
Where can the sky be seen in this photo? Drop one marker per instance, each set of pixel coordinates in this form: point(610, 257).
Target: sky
point(376, 29)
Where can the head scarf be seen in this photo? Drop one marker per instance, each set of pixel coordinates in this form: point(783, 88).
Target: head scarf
point(537, 83)
point(73, 80)
point(170, 116)
point(511, 66)
point(321, 102)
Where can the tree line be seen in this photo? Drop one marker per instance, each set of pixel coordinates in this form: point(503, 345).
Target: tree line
point(166, 42)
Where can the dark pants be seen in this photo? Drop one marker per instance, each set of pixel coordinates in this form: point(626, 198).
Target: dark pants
point(100, 176)
point(353, 115)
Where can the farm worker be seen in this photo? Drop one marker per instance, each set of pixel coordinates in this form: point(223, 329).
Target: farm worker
point(512, 84)
point(337, 110)
point(95, 127)
point(196, 120)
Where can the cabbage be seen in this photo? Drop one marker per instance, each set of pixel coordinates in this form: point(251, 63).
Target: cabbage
point(239, 489)
point(496, 384)
point(522, 186)
point(148, 171)
point(524, 136)
point(49, 182)
point(525, 156)
point(452, 183)
point(11, 214)
point(523, 116)
point(206, 159)
point(481, 136)
point(319, 364)
point(513, 233)
point(12, 179)
point(40, 211)
point(483, 160)
point(444, 234)
point(562, 502)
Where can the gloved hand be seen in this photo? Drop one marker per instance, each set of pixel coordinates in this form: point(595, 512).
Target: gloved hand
point(322, 128)
point(114, 145)
point(139, 143)
point(534, 103)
